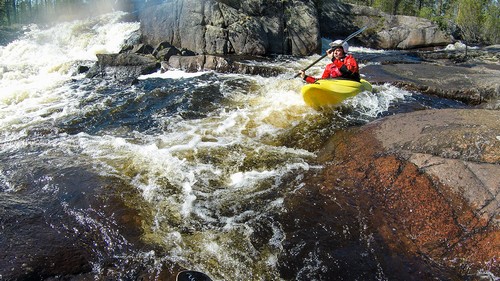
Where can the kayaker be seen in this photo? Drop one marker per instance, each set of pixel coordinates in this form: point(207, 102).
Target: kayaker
point(343, 65)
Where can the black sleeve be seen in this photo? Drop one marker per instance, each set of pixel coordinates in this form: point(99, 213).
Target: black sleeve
point(345, 71)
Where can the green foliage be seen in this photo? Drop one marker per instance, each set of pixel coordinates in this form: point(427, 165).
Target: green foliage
point(478, 20)
point(492, 23)
point(45, 11)
point(470, 19)
point(384, 5)
point(426, 12)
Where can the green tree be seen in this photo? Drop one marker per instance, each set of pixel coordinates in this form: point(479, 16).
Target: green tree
point(492, 23)
point(470, 19)
point(384, 5)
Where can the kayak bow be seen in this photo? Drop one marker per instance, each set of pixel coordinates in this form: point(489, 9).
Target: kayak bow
point(331, 92)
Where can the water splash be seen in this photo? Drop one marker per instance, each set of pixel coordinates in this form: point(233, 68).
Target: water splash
point(369, 105)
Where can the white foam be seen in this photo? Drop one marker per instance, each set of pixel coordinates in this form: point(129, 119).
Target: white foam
point(371, 104)
point(458, 46)
point(189, 198)
point(242, 179)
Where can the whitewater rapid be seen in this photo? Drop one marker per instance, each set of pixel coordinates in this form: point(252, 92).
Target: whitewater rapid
point(208, 153)
point(34, 68)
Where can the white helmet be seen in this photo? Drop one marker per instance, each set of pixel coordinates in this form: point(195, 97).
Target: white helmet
point(340, 43)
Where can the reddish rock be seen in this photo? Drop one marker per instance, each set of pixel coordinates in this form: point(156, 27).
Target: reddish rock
point(427, 223)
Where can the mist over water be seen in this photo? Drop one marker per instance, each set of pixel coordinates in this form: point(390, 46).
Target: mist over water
point(178, 169)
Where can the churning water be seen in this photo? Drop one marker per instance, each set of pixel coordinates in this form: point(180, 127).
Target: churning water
point(178, 169)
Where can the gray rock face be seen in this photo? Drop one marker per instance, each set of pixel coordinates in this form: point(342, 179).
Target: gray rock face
point(384, 31)
point(405, 32)
point(226, 64)
point(259, 27)
point(228, 27)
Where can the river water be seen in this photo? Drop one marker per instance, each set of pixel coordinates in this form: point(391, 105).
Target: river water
point(179, 170)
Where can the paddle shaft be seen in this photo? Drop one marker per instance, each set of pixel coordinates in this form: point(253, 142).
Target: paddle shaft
point(316, 61)
point(345, 40)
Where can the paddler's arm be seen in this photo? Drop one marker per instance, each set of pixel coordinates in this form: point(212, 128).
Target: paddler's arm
point(308, 79)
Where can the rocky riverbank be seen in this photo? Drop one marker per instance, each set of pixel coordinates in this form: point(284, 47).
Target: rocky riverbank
point(472, 77)
point(472, 84)
point(262, 27)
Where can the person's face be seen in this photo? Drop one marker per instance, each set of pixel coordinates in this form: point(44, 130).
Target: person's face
point(338, 53)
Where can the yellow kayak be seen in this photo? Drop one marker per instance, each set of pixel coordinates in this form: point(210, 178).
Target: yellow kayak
point(331, 92)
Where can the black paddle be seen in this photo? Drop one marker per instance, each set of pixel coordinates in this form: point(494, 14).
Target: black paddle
point(345, 40)
point(191, 275)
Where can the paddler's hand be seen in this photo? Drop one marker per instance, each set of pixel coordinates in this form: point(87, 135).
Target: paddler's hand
point(302, 74)
point(330, 53)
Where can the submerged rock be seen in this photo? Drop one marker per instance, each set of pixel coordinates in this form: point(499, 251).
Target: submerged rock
point(459, 148)
point(223, 64)
point(31, 248)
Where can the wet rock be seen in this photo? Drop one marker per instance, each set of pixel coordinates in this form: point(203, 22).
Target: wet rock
point(129, 65)
point(122, 66)
point(460, 148)
point(165, 50)
point(459, 53)
point(133, 40)
point(82, 69)
point(389, 57)
point(472, 83)
point(166, 53)
point(143, 49)
point(223, 64)
point(423, 188)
